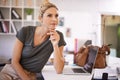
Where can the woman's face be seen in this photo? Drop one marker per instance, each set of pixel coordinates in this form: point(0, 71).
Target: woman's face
point(50, 18)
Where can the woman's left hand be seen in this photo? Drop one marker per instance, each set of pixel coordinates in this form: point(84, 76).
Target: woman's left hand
point(54, 37)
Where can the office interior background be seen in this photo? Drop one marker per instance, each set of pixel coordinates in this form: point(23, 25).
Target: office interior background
point(96, 20)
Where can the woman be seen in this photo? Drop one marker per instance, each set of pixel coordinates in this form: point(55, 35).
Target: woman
point(34, 46)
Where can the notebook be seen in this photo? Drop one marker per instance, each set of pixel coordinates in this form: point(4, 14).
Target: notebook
point(88, 67)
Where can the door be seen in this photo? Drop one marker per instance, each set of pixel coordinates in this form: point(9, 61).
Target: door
point(110, 30)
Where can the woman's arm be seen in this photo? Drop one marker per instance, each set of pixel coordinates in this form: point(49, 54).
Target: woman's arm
point(58, 51)
point(16, 59)
point(58, 59)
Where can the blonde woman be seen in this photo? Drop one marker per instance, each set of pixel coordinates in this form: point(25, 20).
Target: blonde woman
point(33, 47)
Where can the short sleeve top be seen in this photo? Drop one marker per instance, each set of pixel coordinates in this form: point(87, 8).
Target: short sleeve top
point(34, 58)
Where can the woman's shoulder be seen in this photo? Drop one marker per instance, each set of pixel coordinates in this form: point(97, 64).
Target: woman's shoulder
point(28, 28)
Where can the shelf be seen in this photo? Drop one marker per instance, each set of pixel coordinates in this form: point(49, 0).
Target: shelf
point(29, 3)
point(5, 3)
point(5, 12)
point(29, 23)
point(7, 34)
point(15, 16)
point(17, 3)
point(4, 19)
point(16, 13)
point(4, 27)
point(16, 25)
point(28, 12)
point(38, 3)
point(36, 10)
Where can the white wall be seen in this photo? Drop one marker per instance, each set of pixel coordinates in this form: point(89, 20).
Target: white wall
point(6, 46)
point(84, 18)
point(88, 5)
point(82, 27)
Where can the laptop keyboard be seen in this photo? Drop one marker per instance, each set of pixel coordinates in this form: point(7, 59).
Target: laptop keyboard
point(78, 70)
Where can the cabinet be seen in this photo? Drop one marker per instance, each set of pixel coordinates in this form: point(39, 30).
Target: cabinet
point(13, 15)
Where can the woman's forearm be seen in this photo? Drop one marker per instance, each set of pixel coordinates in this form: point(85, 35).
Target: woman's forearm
point(20, 71)
point(58, 59)
point(16, 59)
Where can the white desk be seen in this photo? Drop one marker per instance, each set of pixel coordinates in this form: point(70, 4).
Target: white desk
point(50, 74)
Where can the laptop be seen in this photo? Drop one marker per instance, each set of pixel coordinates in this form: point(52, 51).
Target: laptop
point(88, 42)
point(87, 68)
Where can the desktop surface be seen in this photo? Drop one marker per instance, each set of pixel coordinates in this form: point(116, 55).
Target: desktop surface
point(49, 73)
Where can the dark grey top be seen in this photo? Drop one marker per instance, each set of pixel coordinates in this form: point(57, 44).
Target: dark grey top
point(34, 58)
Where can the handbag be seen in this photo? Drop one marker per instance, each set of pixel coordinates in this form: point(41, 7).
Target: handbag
point(83, 53)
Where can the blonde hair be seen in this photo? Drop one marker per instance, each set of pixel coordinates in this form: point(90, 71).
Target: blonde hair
point(44, 6)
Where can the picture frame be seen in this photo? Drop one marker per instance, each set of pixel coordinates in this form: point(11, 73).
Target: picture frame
point(68, 32)
point(61, 21)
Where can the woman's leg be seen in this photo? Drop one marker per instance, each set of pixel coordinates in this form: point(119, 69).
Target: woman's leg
point(4, 76)
point(8, 73)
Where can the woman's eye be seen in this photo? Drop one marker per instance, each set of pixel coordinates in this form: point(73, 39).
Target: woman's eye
point(49, 15)
point(56, 15)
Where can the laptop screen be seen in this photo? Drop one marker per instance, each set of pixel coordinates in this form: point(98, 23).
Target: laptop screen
point(91, 59)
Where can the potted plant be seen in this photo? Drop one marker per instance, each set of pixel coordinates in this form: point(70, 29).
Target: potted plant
point(29, 12)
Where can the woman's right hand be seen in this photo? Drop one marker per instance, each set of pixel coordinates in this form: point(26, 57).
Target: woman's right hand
point(27, 78)
point(30, 76)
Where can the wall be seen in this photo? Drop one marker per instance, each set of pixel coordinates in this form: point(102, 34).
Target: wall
point(84, 18)
point(82, 27)
point(6, 46)
point(106, 6)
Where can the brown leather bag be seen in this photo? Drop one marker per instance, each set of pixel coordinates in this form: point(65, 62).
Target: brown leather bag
point(82, 55)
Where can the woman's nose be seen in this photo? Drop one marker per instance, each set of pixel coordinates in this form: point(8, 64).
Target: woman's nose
point(54, 18)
